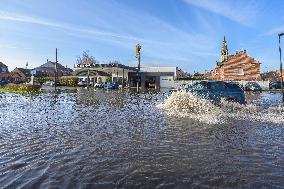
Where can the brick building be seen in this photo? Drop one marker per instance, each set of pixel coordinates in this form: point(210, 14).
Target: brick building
point(279, 74)
point(237, 67)
point(20, 75)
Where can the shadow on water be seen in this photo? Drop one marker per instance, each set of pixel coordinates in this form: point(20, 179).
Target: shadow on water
point(121, 139)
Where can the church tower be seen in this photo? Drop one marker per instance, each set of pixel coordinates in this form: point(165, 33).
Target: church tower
point(224, 51)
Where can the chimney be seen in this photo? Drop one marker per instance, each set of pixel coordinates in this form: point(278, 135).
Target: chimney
point(46, 60)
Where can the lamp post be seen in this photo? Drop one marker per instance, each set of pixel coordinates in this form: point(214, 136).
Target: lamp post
point(281, 72)
point(138, 48)
point(55, 70)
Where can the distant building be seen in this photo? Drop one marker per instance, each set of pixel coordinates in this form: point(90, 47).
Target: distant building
point(154, 77)
point(95, 76)
point(150, 77)
point(48, 70)
point(4, 72)
point(20, 75)
point(279, 74)
point(237, 67)
point(272, 75)
point(181, 75)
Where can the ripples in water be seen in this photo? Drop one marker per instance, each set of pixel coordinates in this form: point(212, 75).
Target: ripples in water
point(123, 140)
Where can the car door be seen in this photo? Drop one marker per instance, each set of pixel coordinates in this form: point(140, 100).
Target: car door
point(217, 90)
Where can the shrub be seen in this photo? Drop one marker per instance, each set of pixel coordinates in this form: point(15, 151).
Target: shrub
point(22, 88)
point(68, 81)
point(65, 80)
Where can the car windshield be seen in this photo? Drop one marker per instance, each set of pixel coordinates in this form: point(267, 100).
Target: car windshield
point(199, 86)
point(232, 85)
point(217, 86)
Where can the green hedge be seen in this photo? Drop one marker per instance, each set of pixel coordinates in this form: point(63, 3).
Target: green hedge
point(22, 88)
point(65, 80)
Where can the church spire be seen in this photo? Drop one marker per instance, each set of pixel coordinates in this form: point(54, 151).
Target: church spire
point(224, 51)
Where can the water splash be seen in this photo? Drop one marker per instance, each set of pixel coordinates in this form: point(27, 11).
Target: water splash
point(185, 104)
point(189, 105)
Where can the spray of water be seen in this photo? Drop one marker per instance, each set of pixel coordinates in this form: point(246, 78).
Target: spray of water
point(188, 105)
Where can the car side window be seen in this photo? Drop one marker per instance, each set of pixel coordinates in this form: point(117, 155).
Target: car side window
point(217, 86)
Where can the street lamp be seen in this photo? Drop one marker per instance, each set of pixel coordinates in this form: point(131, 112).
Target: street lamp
point(55, 70)
point(281, 73)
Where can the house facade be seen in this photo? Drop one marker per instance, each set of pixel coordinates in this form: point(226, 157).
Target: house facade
point(237, 67)
point(20, 75)
point(48, 70)
point(4, 72)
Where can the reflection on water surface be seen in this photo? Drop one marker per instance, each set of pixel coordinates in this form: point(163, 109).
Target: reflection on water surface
point(124, 140)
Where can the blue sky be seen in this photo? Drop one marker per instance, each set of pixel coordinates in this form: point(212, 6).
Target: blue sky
point(183, 33)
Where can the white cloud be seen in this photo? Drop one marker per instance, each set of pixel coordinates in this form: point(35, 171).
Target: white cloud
point(242, 12)
point(159, 39)
point(275, 30)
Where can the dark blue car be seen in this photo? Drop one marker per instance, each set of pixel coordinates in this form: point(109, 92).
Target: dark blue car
point(111, 85)
point(275, 85)
point(4, 82)
point(217, 90)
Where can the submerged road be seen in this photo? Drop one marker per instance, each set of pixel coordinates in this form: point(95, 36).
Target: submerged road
point(122, 140)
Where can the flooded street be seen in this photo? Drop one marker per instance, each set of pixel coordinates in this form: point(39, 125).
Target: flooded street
point(122, 140)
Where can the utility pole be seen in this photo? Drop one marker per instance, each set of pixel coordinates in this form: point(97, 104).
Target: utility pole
point(88, 79)
point(55, 68)
point(117, 72)
point(122, 78)
point(281, 70)
point(138, 48)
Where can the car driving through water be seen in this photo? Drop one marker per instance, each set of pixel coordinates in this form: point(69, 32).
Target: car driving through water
point(218, 90)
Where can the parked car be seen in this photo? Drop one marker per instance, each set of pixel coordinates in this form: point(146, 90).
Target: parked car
point(275, 85)
point(58, 83)
point(99, 85)
point(253, 86)
point(82, 83)
point(217, 90)
point(111, 85)
point(49, 83)
point(4, 82)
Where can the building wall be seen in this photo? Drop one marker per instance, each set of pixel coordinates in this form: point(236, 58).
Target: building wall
point(17, 76)
point(238, 67)
point(278, 72)
point(147, 76)
point(159, 70)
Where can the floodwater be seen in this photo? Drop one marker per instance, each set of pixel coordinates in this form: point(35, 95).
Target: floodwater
point(123, 140)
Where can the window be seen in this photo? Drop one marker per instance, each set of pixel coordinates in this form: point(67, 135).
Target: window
point(240, 71)
point(217, 86)
point(200, 86)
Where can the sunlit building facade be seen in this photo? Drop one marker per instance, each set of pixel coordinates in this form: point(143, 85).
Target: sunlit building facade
point(237, 67)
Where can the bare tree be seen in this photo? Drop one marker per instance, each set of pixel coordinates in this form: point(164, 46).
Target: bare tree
point(86, 58)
